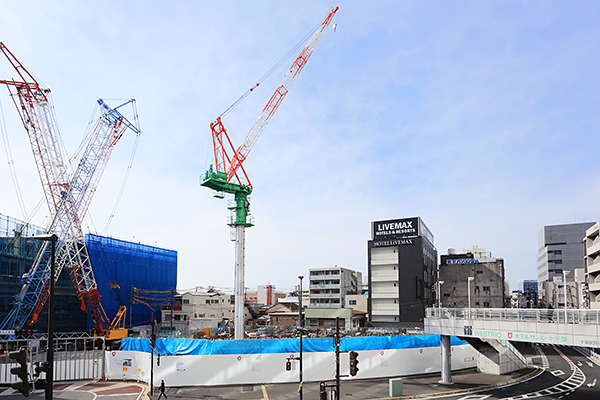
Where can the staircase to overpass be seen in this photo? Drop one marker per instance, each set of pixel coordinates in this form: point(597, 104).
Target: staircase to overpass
point(490, 331)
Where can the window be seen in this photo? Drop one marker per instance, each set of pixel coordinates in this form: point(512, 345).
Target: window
point(486, 288)
point(207, 301)
point(352, 302)
point(486, 304)
point(557, 251)
point(186, 301)
point(177, 317)
point(476, 303)
point(557, 261)
point(480, 272)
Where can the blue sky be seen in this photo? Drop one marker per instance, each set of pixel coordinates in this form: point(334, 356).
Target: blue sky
point(480, 117)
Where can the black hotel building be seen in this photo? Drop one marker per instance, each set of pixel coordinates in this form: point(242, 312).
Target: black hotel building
point(402, 265)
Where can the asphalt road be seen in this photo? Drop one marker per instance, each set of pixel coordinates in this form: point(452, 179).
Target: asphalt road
point(568, 374)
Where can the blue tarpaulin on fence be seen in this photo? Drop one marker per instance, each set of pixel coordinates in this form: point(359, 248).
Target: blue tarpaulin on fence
point(170, 347)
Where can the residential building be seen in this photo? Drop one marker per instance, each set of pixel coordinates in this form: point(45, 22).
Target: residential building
point(191, 308)
point(529, 291)
point(402, 264)
point(560, 248)
point(591, 244)
point(554, 291)
point(357, 302)
point(325, 318)
point(283, 314)
point(484, 277)
point(329, 286)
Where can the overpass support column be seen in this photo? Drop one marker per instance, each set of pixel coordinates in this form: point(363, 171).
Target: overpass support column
point(446, 360)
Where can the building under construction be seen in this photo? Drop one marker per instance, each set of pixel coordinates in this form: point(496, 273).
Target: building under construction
point(129, 265)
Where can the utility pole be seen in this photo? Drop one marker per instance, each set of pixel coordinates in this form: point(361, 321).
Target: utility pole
point(152, 346)
point(172, 301)
point(337, 358)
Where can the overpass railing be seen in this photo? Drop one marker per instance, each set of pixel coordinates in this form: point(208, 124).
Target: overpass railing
point(518, 314)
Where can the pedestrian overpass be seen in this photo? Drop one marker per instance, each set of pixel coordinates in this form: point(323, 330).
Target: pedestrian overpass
point(491, 331)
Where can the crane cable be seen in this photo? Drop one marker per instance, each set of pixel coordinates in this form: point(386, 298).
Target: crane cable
point(128, 170)
point(274, 68)
point(11, 164)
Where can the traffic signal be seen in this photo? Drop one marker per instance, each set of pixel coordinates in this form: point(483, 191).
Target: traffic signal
point(353, 363)
point(20, 370)
point(38, 368)
point(288, 365)
point(24, 332)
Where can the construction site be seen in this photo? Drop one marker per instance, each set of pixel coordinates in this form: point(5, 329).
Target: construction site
point(116, 285)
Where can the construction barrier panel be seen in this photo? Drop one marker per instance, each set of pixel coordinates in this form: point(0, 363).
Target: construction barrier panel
point(195, 362)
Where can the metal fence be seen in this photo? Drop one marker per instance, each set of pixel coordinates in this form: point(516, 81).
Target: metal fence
point(76, 356)
point(518, 314)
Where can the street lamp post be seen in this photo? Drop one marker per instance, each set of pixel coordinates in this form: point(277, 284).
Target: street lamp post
point(440, 283)
point(565, 273)
point(50, 354)
point(471, 278)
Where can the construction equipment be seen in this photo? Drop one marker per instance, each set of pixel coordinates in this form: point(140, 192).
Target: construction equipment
point(229, 176)
point(68, 194)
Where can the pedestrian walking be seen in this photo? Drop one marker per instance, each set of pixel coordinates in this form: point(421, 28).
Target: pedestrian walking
point(162, 390)
point(550, 313)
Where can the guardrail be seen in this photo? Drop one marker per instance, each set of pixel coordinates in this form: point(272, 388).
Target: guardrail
point(551, 315)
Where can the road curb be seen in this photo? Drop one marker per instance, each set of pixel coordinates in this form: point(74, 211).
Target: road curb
point(535, 372)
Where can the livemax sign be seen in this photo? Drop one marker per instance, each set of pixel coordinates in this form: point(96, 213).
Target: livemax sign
point(396, 228)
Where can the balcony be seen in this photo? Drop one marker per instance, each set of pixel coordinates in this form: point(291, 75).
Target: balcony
point(385, 278)
point(385, 311)
point(594, 287)
point(594, 266)
point(325, 305)
point(324, 295)
point(594, 249)
point(325, 286)
point(385, 294)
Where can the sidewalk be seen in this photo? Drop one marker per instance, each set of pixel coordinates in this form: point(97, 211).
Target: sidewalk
point(415, 387)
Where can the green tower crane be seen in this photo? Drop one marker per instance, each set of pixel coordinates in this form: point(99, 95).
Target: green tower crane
point(228, 175)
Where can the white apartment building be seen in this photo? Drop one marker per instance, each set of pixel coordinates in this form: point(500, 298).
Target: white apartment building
point(591, 245)
point(329, 286)
point(192, 306)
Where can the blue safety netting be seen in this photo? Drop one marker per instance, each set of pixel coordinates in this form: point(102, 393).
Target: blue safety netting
point(170, 347)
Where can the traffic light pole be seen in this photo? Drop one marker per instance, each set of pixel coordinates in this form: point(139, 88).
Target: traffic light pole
point(52, 238)
point(50, 359)
point(301, 324)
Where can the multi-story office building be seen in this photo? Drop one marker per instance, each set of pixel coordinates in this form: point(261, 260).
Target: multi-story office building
point(329, 286)
point(484, 277)
point(402, 261)
point(591, 244)
point(560, 248)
